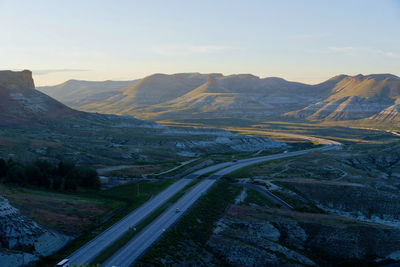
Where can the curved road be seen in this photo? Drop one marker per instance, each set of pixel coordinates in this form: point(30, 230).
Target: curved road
point(291, 135)
point(129, 253)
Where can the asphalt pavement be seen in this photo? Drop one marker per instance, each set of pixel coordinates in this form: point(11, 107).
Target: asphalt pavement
point(93, 248)
point(129, 253)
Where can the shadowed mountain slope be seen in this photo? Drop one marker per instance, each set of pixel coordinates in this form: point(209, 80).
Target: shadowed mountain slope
point(19, 100)
point(75, 93)
point(35, 125)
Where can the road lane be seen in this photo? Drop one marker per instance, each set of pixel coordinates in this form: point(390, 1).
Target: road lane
point(93, 248)
point(136, 246)
point(129, 253)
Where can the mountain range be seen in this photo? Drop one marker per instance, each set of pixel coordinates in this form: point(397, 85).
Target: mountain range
point(34, 125)
point(366, 99)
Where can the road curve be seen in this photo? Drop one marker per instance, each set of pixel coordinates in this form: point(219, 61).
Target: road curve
point(129, 253)
point(291, 135)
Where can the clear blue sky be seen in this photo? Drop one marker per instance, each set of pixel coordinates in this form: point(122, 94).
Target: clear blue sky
point(300, 40)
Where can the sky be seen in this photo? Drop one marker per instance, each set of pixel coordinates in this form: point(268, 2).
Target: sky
point(299, 40)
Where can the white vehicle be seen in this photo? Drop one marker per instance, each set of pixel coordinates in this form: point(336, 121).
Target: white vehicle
point(284, 152)
point(63, 263)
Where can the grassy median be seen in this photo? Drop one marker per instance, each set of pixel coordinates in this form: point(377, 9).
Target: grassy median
point(193, 229)
point(120, 242)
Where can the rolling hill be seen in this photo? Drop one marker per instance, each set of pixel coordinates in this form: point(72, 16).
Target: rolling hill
point(151, 90)
point(370, 98)
point(354, 98)
point(76, 93)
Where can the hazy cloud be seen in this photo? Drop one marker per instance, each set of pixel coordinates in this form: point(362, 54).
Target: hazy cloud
point(345, 49)
point(311, 35)
point(390, 54)
point(49, 71)
point(371, 50)
point(185, 50)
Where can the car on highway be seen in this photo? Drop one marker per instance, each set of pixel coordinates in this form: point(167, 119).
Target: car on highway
point(177, 210)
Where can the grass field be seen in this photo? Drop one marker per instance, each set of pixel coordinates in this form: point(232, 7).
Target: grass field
point(128, 196)
point(67, 213)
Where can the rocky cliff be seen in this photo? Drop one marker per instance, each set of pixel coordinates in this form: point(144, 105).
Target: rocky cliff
point(22, 240)
point(271, 237)
point(20, 101)
point(11, 79)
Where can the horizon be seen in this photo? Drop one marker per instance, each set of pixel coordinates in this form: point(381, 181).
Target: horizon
point(304, 41)
point(225, 75)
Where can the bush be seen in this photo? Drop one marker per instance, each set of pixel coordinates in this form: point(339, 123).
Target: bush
point(87, 177)
point(16, 174)
point(3, 168)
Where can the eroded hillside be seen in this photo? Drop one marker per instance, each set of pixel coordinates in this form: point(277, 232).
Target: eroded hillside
point(366, 100)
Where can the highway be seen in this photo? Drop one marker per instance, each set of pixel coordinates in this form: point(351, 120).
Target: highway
point(93, 248)
point(129, 253)
point(290, 135)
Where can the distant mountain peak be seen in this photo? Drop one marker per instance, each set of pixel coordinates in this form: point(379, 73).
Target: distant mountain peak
point(382, 76)
point(339, 77)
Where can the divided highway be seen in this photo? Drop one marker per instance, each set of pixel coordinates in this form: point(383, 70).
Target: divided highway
point(92, 249)
point(129, 253)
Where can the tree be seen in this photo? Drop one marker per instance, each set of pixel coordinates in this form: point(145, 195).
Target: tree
point(48, 169)
point(64, 168)
point(16, 174)
point(57, 183)
point(33, 175)
point(70, 182)
point(3, 168)
point(87, 177)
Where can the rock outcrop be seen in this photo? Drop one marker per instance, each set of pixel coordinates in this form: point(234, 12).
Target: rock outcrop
point(271, 237)
point(22, 240)
point(11, 79)
point(20, 101)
